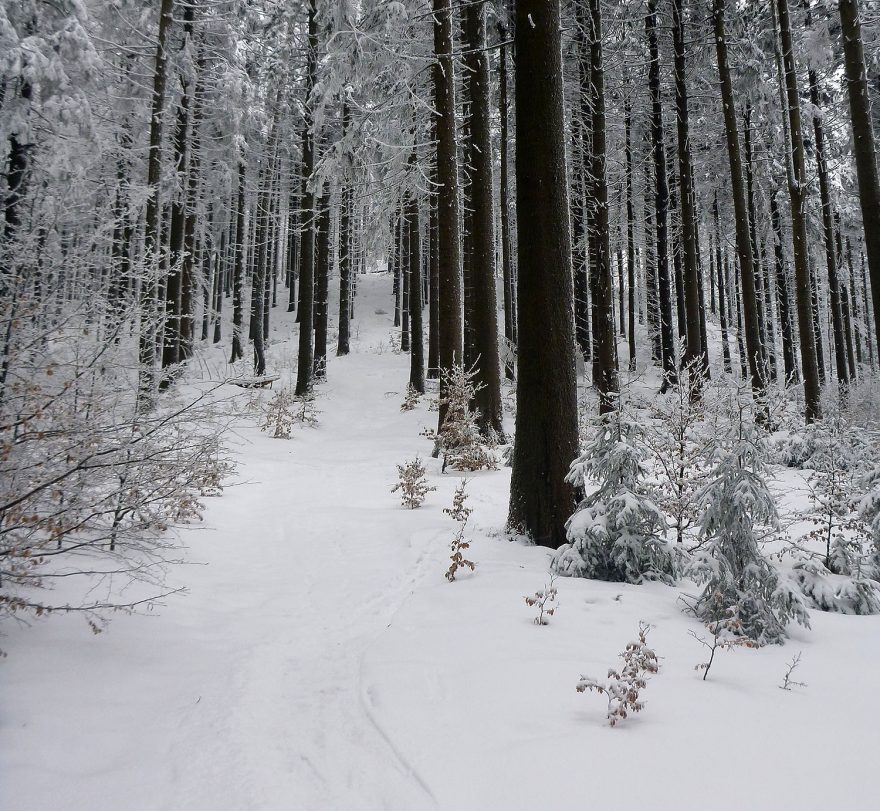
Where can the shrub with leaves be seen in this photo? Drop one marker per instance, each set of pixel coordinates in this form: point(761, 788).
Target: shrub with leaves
point(726, 633)
point(459, 439)
point(461, 513)
point(411, 399)
point(285, 410)
point(617, 532)
point(544, 600)
point(623, 687)
point(413, 484)
point(740, 583)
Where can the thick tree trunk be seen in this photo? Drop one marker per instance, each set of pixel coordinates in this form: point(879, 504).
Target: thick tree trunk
point(450, 326)
point(238, 269)
point(630, 231)
point(546, 421)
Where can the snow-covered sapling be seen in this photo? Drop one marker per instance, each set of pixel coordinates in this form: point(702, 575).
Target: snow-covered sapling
point(459, 439)
point(544, 600)
point(726, 635)
point(460, 513)
point(617, 532)
point(740, 583)
point(622, 688)
point(285, 410)
point(787, 681)
point(413, 484)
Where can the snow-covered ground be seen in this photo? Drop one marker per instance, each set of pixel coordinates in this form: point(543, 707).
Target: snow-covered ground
point(321, 662)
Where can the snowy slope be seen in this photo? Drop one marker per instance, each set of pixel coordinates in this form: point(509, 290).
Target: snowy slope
point(320, 661)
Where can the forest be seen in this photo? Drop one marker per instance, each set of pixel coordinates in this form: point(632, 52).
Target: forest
point(374, 371)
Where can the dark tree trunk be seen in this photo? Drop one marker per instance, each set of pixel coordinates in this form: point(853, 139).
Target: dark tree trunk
point(797, 195)
point(581, 211)
point(601, 282)
point(541, 501)
point(696, 351)
point(484, 323)
point(630, 232)
point(322, 283)
point(238, 269)
point(743, 245)
point(863, 145)
point(661, 201)
point(450, 327)
point(414, 261)
point(305, 311)
point(504, 193)
point(342, 344)
point(148, 292)
point(792, 374)
point(722, 290)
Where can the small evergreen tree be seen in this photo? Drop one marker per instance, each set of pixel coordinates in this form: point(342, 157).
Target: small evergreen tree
point(740, 584)
point(617, 532)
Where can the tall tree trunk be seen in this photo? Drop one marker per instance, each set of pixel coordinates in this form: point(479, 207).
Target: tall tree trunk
point(828, 229)
point(741, 216)
point(450, 326)
point(414, 262)
point(343, 341)
point(601, 282)
point(863, 144)
point(797, 195)
point(148, 293)
point(581, 213)
point(238, 268)
point(541, 501)
point(783, 298)
point(722, 288)
point(305, 312)
point(696, 352)
point(504, 194)
point(482, 238)
point(630, 231)
point(661, 201)
point(322, 283)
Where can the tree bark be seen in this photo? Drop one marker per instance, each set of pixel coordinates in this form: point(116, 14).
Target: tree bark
point(546, 421)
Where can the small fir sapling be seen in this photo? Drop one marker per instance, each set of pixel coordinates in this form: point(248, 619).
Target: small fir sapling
point(740, 583)
point(413, 484)
point(460, 513)
point(459, 439)
point(679, 439)
point(869, 508)
point(544, 600)
point(623, 688)
point(726, 633)
point(617, 532)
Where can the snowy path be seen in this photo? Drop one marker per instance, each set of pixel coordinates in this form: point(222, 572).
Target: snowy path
point(320, 662)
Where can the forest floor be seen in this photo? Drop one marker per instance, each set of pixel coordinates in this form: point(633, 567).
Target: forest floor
point(319, 661)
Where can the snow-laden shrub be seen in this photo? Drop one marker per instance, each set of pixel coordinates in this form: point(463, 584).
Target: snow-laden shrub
point(617, 532)
point(413, 484)
point(739, 582)
point(459, 439)
point(840, 594)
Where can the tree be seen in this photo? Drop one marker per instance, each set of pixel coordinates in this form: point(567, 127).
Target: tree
point(546, 420)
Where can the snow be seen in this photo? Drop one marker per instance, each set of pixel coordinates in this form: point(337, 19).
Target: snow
point(320, 661)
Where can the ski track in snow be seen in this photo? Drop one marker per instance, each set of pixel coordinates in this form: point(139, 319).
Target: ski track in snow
point(320, 661)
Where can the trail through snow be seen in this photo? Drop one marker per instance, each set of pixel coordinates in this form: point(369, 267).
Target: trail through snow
point(320, 661)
